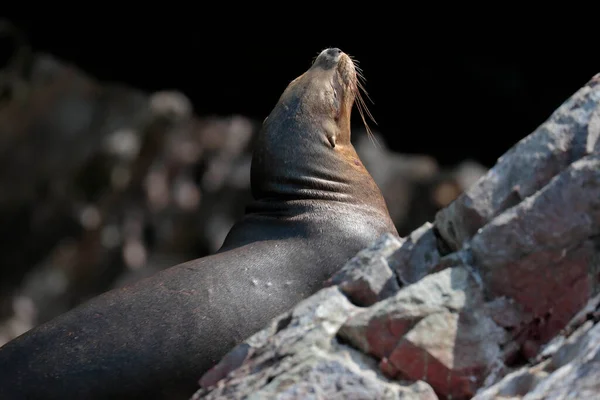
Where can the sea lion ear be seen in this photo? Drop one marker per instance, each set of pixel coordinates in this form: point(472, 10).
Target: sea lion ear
point(330, 130)
point(331, 139)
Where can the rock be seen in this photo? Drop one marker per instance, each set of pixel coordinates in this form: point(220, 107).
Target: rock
point(297, 357)
point(452, 352)
point(569, 368)
point(417, 256)
point(433, 330)
point(506, 312)
point(367, 277)
point(527, 167)
point(541, 253)
point(515, 385)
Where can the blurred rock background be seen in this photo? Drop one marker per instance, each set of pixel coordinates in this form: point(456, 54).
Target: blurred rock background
point(102, 184)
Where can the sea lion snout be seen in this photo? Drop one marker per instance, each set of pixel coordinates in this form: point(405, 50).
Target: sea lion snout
point(329, 58)
point(334, 52)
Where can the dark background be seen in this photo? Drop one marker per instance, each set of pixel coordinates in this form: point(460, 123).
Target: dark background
point(444, 96)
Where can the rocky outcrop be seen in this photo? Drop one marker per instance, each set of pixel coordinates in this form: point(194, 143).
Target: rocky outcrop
point(568, 366)
point(296, 356)
point(496, 298)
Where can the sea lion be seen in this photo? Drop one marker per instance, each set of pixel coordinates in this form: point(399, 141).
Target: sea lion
point(315, 206)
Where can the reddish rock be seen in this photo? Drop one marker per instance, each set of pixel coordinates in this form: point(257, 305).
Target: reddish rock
point(527, 167)
point(538, 253)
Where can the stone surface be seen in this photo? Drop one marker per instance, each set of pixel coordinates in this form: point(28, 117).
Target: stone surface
point(543, 252)
point(418, 255)
point(297, 357)
point(527, 167)
point(568, 368)
point(451, 351)
point(434, 330)
point(367, 277)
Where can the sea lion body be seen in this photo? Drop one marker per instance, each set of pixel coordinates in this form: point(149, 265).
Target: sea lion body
point(315, 207)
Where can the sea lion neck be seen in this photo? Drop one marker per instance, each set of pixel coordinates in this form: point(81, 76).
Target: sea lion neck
point(301, 165)
point(303, 150)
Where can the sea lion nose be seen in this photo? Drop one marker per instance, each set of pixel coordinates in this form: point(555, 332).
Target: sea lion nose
point(328, 58)
point(334, 52)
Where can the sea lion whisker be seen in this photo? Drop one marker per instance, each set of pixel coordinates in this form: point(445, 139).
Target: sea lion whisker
point(360, 90)
point(359, 70)
point(361, 77)
point(361, 80)
point(361, 87)
point(354, 60)
point(361, 105)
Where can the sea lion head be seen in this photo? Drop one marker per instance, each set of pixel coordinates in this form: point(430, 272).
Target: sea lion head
point(327, 91)
point(304, 147)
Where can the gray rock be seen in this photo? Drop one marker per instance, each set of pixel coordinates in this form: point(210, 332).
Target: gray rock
point(541, 253)
point(432, 330)
point(418, 255)
point(453, 352)
point(570, 369)
point(580, 378)
point(527, 167)
point(297, 357)
point(367, 277)
point(514, 385)
point(506, 312)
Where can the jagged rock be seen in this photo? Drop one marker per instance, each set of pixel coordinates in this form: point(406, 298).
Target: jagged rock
point(433, 329)
point(569, 367)
point(417, 256)
point(297, 357)
point(564, 138)
point(367, 277)
point(541, 253)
